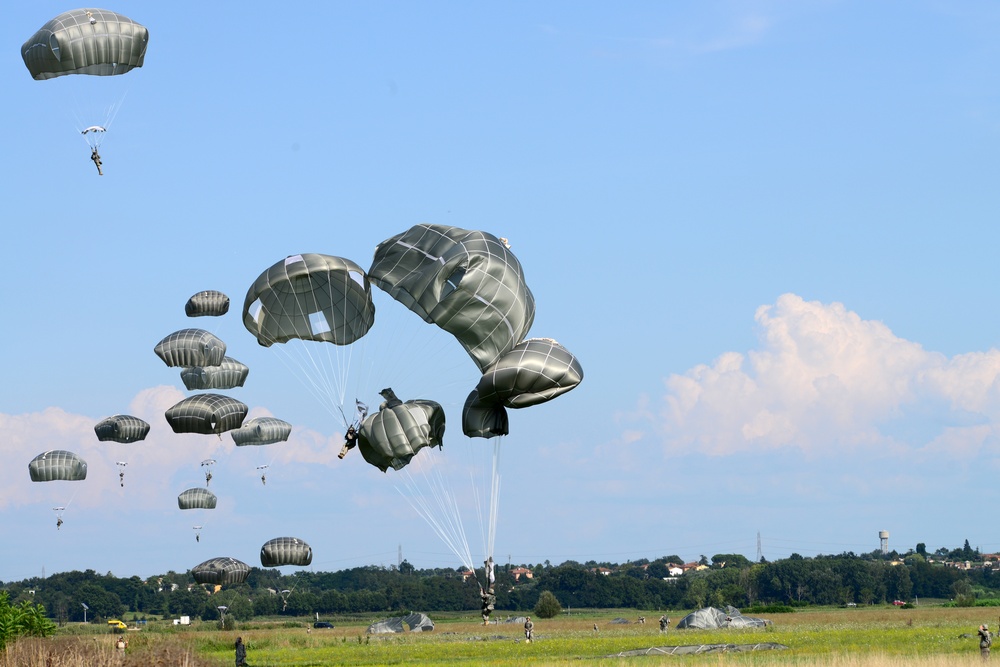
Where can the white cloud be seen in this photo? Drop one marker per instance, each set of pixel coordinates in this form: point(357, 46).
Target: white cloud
point(823, 379)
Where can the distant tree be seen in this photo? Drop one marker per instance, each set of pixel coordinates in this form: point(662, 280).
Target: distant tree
point(703, 560)
point(547, 606)
point(406, 568)
point(922, 549)
point(730, 560)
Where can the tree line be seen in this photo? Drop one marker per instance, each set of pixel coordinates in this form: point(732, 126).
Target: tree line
point(727, 579)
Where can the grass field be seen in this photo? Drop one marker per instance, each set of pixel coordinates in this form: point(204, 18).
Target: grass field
point(929, 636)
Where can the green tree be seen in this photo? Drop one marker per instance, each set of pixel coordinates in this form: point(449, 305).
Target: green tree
point(548, 606)
point(21, 620)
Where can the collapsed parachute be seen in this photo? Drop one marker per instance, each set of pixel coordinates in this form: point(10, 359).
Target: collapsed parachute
point(191, 347)
point(197, 498)
point(211, 303)
point(285, 551)
point(122, 428)
point(262, 431)
point(57, 464)
point(206, 413)
point(85, 41)
point(310, 297)
point(471, 285)
point(221, 571)
point(228, 374)
point(394, 434)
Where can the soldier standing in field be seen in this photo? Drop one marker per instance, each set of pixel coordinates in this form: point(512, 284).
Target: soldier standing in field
point(528, 629)
point(985, 640)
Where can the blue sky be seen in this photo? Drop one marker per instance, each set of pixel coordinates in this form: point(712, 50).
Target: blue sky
point(767, 229)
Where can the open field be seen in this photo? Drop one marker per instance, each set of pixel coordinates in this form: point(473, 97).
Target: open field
point(929, 636)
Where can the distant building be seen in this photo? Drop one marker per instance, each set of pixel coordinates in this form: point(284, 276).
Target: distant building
point(519, 572)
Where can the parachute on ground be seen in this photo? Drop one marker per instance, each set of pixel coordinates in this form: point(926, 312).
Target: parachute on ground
point(122, 428)
point(210, 303)
point(198, 498)
point(221, 571)
point(85, 41)
point(57, 464)
point(227, 375)
point(310, 297)
point(471, 285)
point(416, 622)
point(206, 413)
point(710, 617)
point(191, 347)
point(262, 431)
point(285, 551)
point(394, 434)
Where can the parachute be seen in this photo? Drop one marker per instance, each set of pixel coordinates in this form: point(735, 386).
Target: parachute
point(285, 551)
point(310, 297)
point(210, 303)
point(121, 428)
point(85, 41)
point(191, 347)
point(394, 434)
point(206, 413)
point(221, 571)
point(228, 374)
point(57, 464)
point(197, 498)
point(262, 431)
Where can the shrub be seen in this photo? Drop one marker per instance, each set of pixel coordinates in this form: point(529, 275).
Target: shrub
point(548, 606)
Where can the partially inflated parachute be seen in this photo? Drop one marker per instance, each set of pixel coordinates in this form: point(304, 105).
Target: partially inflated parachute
point(212, 303)
point(122, 428)
point(221, 571)
point(228, 374)
point(394, 434)
point(310, 297)
point(197, 498)
point(85, 41)
point(191, 347)
point(206, 413)
point(57, 464)
point(285, 551)
point(262, 431)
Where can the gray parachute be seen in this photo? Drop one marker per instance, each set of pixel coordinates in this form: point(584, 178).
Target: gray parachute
point(221, 571)
point(57, 464)
point(122, 428)
point(191, 347)
point(710, 618)
point(416, 622)
point(210, 303)
point(206, 413)
point(394, 434)
point(310, 297)
point(285, 551)
point(197, 498)
point(228, 374)
point(470, 284)
point(85, 41)
point(262, 431)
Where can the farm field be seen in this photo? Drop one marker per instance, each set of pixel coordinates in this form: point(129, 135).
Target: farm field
point(930, 636)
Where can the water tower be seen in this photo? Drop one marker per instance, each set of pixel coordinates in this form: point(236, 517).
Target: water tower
point(883, 538)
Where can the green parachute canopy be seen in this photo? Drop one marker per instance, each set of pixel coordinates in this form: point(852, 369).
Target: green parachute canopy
point(197, 498)
point(122, 428)
point(206, 413)
point(221, 571)
point(262, 431)
point(392, 436)
point(191, 347)
point(285, 551)
point(57, 464)
point(228, 374)
point(85, 41)
point(211, 303)
point(310, 297)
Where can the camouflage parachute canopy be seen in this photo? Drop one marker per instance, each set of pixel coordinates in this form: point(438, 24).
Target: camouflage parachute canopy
point(122, 428)
point(285, 551)
point(197, 498)
point(85, 41)
point(393, 435)
point(206, 413)
point(57, 464)
point(262, 431)
point(468, 283)
point(211, 303)
point(221, 571)
point(227, 375)
point(191, 347)
point(310, 297)
point(535, 371)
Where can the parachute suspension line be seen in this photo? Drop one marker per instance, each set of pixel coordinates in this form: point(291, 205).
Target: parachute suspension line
point(493, 508)
point(440, 511)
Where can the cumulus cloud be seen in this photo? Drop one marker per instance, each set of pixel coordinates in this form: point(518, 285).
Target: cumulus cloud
point(824, 379)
